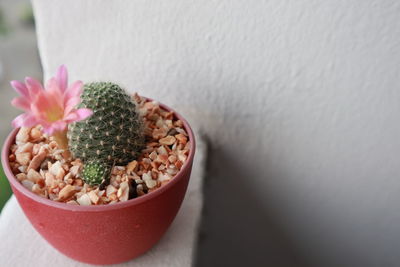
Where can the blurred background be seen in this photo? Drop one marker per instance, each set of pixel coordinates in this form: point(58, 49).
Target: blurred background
point(18, 58)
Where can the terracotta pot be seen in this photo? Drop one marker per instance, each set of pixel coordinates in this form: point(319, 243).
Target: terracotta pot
point(104, 234)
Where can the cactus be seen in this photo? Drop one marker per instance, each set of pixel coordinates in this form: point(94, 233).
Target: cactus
point(95, 172)
point(112, 135)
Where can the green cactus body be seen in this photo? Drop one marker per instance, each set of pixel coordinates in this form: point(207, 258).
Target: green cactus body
point(113, 134)
point(95, 172)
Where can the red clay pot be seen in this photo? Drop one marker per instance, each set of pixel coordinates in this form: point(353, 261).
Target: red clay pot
point(104, 234)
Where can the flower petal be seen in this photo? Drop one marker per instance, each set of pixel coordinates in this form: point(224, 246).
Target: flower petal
point(52, 85)
point(54, 92)
point(71, 117)
point(48, 129)
point(83, 113)
point(59, 125)
point(34, 87)
point(71, 103)
point(40, 105)
point(51, 128)
point(62, 78)
point(30, 120)
point(22, 103)
point(18, 121)
point(24, 120)
point(74, 90)
point(78, 115)
point(20, 88)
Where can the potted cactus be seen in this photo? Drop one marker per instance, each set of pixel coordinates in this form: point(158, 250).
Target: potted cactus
point(90, 160)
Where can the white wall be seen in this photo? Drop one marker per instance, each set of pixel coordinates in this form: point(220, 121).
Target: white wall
point(302, 96)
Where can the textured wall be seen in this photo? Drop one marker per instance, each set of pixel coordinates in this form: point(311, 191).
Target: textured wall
point(299, 99)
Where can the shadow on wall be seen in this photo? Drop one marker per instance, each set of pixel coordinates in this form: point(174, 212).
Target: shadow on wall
point(236, 229)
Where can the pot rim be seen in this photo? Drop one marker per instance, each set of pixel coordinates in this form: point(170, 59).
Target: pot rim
point(98, 208)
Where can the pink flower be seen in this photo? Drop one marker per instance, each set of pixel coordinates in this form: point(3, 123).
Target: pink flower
point(53, 107)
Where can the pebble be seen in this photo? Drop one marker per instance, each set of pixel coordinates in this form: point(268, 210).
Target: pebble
point(21, 176)
point(131, 166)
point(25, 148)
point(22, 135)
point(67, 192)
point(23, 158)
point(33, 176)
point(37, 160)
point(27, 184)
point(84, 200)
point(167, 141)
point(74, 170)
point(93, 197)
point(110, 190)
